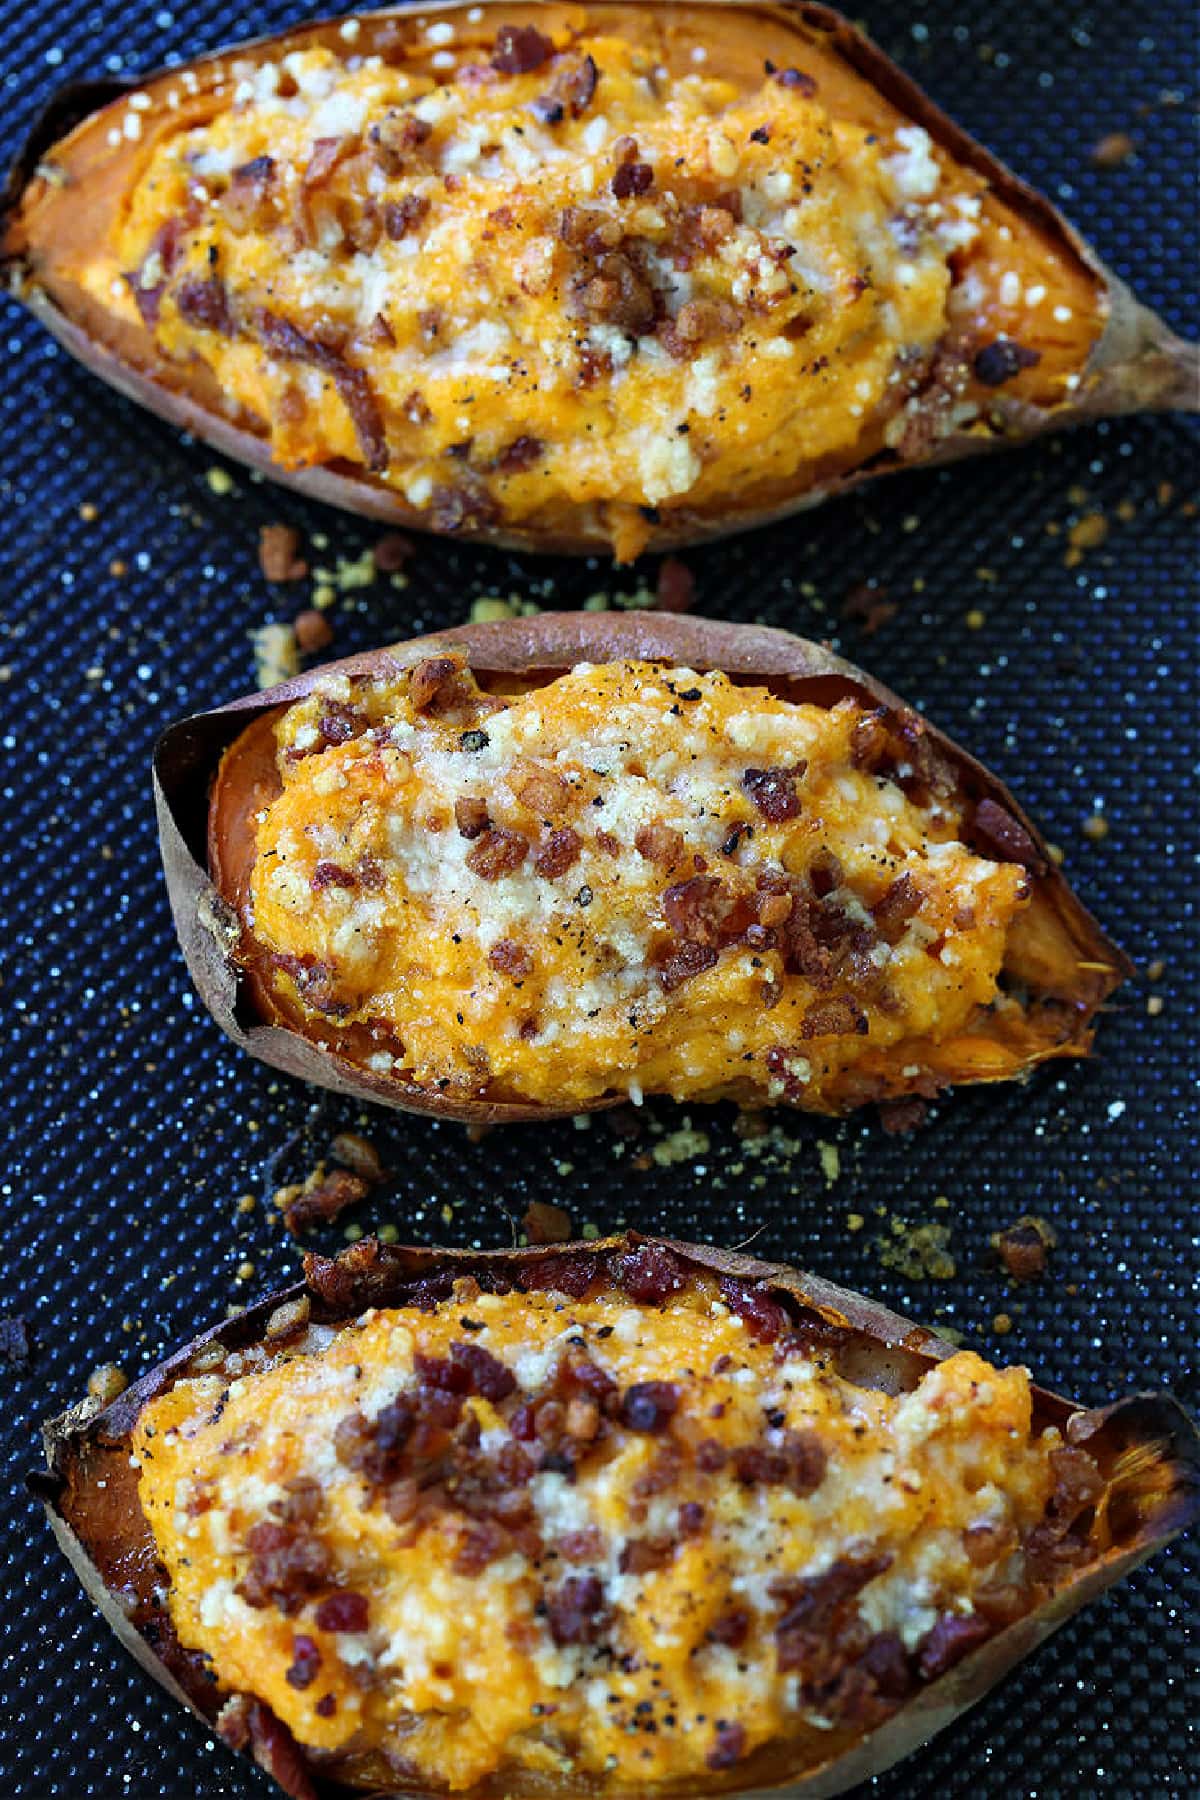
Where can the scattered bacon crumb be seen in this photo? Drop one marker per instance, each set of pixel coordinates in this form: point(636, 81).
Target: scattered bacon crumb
point(870, 606)
point(519, 49)
point(321, 1198)
point(1024, 1248)
point(313, 631)
point(546, 1224)
point(899, 1116)
point(360, 1155)
point(392, 552)
point(279, 553)
point(1113, 150)
point(675, 588)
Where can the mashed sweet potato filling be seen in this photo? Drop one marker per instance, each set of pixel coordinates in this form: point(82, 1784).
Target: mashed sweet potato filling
point(632, 879)
point(511, 271)
point(570, 1531)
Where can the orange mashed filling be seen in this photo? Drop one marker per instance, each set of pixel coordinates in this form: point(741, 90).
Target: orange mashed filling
point(635, 276)
point(630, 1619)
point(634, 879)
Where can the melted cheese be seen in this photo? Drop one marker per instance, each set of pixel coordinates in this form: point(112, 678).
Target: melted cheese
point(426, 944)
point(460, 1675)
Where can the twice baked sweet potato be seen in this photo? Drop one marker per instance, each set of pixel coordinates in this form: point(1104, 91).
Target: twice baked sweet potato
point(569, 276)
point(527, 868)
point(621, 1518)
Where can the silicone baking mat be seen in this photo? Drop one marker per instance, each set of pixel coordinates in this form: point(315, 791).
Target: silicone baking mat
point(1064, 656)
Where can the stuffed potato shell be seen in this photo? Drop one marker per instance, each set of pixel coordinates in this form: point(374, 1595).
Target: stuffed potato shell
point(569, 277)
point(533, 867)
point(621, 1518)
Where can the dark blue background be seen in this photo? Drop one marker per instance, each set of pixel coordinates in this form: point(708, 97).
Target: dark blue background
point(131, 1127)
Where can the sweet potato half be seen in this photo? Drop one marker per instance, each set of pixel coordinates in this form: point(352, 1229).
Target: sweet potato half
point(1126, 1481)
point(568, 278)
point(741, 886)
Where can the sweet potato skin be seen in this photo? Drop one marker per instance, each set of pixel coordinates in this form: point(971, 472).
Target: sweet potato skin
point(1136, 364)
point(91, 1495)
point(1079, 967)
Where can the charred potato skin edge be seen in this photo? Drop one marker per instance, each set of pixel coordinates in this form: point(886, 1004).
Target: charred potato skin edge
point(1137, 364)
point(897, 1349)
point(209, 931)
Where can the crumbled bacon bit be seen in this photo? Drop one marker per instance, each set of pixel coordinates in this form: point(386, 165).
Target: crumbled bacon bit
point(711, 1456)
point(313, 631)
point(675, 588)
point(763, 1317)
point(557, 852)
point(813, 1607)
point(1005, 837)
point(331, 874)
point(659, 843)
point(838, 1016)
point(511, 958)
point(339, 724)
point(358, 1153)
point(648, 1406)
point(486, 1374)
point(392, 551)
point(204, 303)
point(582, 1546)
point(899, 1116)
point(521, 454)
point(325, 1200)
point(773, 791)
point(519, 49)
point(471, 816)
point(575, 1610)
point(949, 1641)
point(649, 1274)
point(546, 1224)
point(683, 964)
point(343, 1611)
point(285, 340)
point(632, 179)
point(1024, 1248)
point(895, 907)
point(279, 553)
point(287, 1564)
point(434, 682)
point(729, 1746)
point(572, 87)
point(396, 136)
point(731, 1627)
point(400, 216)
point(642, 1556)
point(1000, 361)
point(696, 322)
point(696, 910)
point(463, 505)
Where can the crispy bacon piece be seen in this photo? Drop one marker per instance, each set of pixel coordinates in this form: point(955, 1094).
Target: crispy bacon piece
point(696, 910)
point(557, 852)
point(895, 907)
point(511, 958)
point(403, 215)
point(838, 1016)
point(575, 1611)
point(433, 683)
point(683, 964)
point(204, 303)
point(519, 49)
point(471, 816)
point(1005, 837)
point(571, 90)
point(773, 792)
point(286, 341)
point(497, 853)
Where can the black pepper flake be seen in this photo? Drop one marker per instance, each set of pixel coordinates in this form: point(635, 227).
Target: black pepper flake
point(473, 1324)
point(474, 740)
point(584, 896)
point(761, 134)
